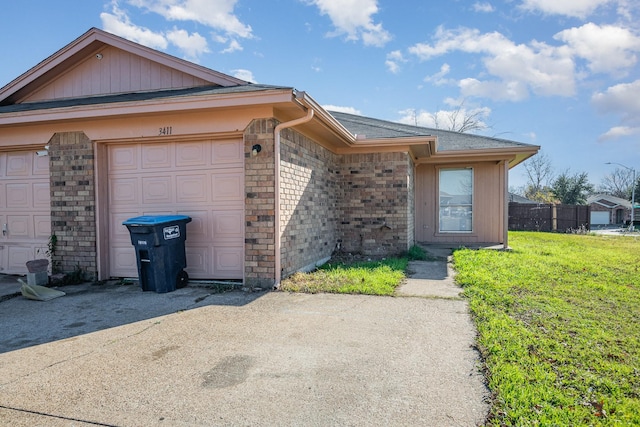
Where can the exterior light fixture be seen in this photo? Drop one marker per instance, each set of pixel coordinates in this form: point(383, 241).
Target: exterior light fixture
point(99, 56)
point(256, 149)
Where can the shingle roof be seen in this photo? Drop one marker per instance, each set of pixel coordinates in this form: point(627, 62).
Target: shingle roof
point(447, 140)
point(612, 200)
point(137, 96)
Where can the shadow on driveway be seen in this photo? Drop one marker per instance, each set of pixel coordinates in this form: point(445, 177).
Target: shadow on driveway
point(89, 308)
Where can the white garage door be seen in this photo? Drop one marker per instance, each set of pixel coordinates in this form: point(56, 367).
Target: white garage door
point(202, 179)
point(25, 209)
point(599, 218)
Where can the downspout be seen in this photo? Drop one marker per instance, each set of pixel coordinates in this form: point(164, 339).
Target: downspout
point(276, 149)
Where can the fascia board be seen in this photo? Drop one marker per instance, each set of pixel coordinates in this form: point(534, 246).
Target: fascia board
point(181, 104)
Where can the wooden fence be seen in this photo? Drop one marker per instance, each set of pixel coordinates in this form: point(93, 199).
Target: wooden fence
point(547, 217)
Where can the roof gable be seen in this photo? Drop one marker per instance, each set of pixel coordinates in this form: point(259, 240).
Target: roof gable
point(608, 201)
point(99, 63)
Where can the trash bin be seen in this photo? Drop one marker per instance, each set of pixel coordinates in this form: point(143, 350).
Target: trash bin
point(159, 244)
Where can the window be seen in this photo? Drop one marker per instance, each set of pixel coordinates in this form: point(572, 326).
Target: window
point(456, 200)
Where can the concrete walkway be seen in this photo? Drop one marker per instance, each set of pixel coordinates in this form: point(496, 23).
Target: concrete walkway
point(118, 356)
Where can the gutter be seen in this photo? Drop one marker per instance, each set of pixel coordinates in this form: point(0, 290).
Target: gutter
point(299, 96)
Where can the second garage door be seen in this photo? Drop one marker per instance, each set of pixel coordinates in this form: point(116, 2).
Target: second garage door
point(201, 179)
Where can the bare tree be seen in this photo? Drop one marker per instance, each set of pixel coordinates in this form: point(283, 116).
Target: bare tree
point(539, 170)
point(460, 119)
point(618, 183)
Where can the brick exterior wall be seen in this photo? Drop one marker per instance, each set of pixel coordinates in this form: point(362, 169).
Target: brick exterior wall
point(73, 198)
point(377, 203)
point(362, 202)
point(259, 242)
point(308, 202)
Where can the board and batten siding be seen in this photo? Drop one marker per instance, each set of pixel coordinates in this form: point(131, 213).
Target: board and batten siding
point(488, 204)
point(116, 71)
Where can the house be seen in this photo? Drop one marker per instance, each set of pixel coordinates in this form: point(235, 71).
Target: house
point(608, 210)
point(106, 129)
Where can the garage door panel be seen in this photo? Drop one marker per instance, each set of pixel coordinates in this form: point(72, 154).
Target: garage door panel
point(192, 188)
point(18, 256)
point(41, 166)
point(156, 156)
point(19, 164)
point(42, 226)
point(227, 153)
point(18, 226)
point(227, 224)
point(123, 158)
point(119, 232)
point(18, 195)
point(227, 187)
point(157, 189)
point(228, 261)
point(3, 196)
point(123, 191)
point(197, 257)
point(192, 154)
point(41, 195)
point(123, 261)
point(199, 229)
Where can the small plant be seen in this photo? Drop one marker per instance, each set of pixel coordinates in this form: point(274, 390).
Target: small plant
point(75, 277)
point(51, 245)
point(416, 253)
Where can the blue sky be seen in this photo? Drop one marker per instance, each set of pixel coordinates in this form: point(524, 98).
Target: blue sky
point(562, 74)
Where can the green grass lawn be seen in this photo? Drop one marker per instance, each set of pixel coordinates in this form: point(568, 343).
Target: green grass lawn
point(559, 328)
point(367, 277)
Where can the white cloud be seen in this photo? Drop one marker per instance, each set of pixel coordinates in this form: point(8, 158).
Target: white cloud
point(518, 69)
point(394, 59)
point(483, 7)
point(118, 22)
point(573, 8)
point(621, 99)
point(233, 47)
point(245, 75)
point(439, 78)
point(617, 132)
point(193, 45)
point(217, 14)
point(341, 109)
point(354, 18)
point(606, 48)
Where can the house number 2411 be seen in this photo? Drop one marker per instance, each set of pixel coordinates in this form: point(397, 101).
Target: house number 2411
point(165, 130)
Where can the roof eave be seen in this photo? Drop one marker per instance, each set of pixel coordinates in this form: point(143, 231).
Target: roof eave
point(158, 105)
point(513, 155)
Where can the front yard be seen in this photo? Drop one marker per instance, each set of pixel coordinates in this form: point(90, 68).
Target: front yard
point(559, 327)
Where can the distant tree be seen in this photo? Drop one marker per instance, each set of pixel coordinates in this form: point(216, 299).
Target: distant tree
point(618, 183)
point(539, 170)
point(572, 189)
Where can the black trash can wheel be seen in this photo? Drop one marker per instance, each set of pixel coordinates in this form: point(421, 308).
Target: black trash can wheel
point(182, 279)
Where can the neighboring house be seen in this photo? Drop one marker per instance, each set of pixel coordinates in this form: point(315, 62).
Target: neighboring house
point(515, 198)
point(608, 210)
point(106, 129)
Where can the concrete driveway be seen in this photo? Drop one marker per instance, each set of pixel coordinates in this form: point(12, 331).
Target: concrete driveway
point(113, 355)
